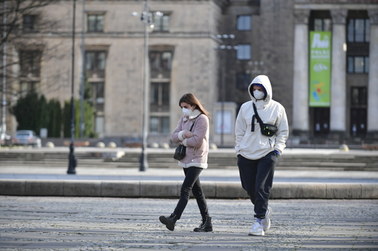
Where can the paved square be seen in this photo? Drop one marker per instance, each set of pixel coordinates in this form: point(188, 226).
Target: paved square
point(75, 223)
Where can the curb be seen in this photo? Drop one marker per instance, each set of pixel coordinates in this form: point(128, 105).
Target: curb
point(171, 189)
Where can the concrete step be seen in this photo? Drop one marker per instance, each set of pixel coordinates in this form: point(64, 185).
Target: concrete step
point(163, 159)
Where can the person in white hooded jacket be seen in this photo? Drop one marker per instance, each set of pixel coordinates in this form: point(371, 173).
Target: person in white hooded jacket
point(257, 153)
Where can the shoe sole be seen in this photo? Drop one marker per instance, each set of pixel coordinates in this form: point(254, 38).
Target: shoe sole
point(202, 231)
point(256, 234)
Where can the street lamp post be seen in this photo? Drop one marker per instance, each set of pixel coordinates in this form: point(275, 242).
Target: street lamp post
point(147, 18)
point(143, 162)
point(71, 157)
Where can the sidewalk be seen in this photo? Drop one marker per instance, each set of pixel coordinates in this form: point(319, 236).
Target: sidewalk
point(165, 183)
point(75, 223)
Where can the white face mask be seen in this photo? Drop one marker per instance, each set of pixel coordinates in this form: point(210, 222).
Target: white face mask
point(187, 112)
point(258, 94)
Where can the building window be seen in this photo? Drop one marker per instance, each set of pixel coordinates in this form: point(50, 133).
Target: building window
point(358, 96)
point(358, 30)
point(159, 124)
point(322, 24)
point(320, 20)
point(358, 111)
point(161, 22)
point(243, 52)
point(159, 108)
point(95, 22)
point(97, 95)
point(97, 99)
point(30, 63)
point(160, 71)
point(29, 23)
point(358, 64)
point(243, 23)
point(159, 100)
point(161, 64)
point(95, 64)
point(243, 80)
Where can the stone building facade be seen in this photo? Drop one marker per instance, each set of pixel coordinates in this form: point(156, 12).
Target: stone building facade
point(212, 48)
point(353, 74)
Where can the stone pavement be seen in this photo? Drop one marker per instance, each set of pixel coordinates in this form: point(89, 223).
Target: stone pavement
point(77, 223)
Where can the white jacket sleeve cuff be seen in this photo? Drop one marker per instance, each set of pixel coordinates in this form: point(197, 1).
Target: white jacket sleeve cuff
point(180, 135)
point(184, 142)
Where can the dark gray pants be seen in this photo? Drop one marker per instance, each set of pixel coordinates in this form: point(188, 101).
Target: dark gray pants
point(192, 183)
point(257, 179)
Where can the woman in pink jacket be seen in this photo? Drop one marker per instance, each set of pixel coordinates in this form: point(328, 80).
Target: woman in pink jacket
point(196, 141)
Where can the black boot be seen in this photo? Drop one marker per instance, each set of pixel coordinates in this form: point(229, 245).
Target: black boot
point(169, 222)
point(206, 225)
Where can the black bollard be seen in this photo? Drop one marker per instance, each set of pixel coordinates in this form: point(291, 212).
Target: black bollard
point(72, 162)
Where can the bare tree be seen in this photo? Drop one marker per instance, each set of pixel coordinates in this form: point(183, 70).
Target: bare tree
point(12, 13)
point(17, 17)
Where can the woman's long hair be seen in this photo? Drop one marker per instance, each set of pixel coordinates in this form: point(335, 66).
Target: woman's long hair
point(192, 100)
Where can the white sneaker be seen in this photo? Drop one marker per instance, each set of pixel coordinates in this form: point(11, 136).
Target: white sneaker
point(257, 228)
point(266, 222)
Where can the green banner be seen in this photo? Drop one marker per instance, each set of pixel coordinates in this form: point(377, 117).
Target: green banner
point(320, 68)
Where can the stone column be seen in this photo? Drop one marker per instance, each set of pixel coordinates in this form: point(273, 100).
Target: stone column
point(338, 75)
point(300, 123)
point(372, 116)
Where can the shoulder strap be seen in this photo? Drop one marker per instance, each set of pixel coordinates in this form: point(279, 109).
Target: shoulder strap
point(256, 114)
point(193, 124)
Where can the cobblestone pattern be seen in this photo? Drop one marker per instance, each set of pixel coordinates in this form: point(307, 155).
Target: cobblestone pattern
point(75, 223)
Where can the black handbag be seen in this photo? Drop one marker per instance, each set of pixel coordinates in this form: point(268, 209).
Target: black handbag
point(266, 129)
point(180, 151)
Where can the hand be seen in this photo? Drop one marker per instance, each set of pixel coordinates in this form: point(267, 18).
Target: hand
point(277, 153)
point(187, 134)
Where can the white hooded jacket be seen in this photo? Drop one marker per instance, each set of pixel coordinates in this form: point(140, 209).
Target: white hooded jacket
point(252, 144)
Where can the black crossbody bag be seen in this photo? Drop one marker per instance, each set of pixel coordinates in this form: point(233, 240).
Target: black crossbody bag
point(266, 129)
point(180, 151)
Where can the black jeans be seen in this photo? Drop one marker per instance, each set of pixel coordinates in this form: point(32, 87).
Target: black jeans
point(257, 179)
point(191, 183)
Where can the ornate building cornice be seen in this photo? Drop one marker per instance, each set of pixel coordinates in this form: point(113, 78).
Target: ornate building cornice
point(373, 16)
point(301, 16)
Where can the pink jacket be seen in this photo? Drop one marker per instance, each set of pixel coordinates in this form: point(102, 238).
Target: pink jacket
point(197, 146)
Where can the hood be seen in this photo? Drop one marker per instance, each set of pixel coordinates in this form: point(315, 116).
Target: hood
point(265, 82)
